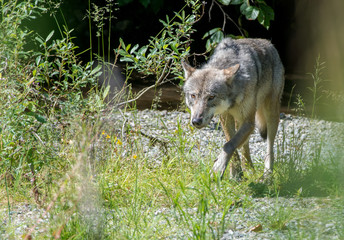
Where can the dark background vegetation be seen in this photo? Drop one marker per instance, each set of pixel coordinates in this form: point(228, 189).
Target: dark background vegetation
point(298, 32)
point(136, 23)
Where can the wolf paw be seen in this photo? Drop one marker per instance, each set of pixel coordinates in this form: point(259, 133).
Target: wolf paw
point(220, 164)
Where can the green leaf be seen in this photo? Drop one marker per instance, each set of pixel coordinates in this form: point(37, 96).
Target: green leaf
point(38, 60)
point(38, 117)
point(128, 47)
point(122, 43)
point(243, 8)
point(232, 2)
point(123, 2)
point(134, 49)
point(251, 13)
point(126, 59)
point(266, 14)
point(174, 48)
point(156, 5)
point(163, 23)
point(96, 70)
point(122, 52)
point(145, 3)
point(214, 40)
point(106, 91)
point(211, 32)
point(142, 51)
point(49, 36)
point(225, 2)
point(237, 2)
point(38, 39)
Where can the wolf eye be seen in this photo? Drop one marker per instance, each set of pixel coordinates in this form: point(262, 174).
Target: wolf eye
point(211, 97)
point(193, 96)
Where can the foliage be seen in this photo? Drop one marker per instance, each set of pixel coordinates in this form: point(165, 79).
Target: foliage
point(251, 10)
point(172, 43)
point(40, 91)
point(167, 48)
point(58, 71)
point(257, 9)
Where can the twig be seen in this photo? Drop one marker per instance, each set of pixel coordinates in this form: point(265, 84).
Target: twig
point(202, 14)
point(210, 9)
point(225, 16)
point(154, 140)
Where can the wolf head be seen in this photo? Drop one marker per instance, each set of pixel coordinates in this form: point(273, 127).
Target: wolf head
point(208, 92)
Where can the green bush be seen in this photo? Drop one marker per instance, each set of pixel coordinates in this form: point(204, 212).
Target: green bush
point(40, 91)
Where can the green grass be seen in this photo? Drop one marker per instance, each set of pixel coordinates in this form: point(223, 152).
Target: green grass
point(103, 186)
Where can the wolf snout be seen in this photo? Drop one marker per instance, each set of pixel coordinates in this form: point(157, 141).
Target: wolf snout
point(197, 122)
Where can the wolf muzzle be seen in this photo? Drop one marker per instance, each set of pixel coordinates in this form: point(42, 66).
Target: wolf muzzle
point(197, 122)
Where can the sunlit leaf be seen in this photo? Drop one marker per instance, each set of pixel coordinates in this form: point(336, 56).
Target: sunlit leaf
point(134, 49)
point(106, 91)
point(96, 70)
point(49, 36)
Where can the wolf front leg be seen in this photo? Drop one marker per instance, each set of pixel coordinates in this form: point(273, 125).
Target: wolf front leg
point(230, 147)
point(228, 127)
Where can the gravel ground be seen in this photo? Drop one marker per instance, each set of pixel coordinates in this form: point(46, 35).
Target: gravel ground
point(307, 135)
point(308, 218)
point(293, 131)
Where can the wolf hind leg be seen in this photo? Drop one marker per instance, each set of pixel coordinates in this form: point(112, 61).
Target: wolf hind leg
point(246, 161)
point(271, 114)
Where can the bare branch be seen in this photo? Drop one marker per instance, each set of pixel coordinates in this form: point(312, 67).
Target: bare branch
point(159, 82)
point(210, 9)
point(225, 16)
point(202, 14)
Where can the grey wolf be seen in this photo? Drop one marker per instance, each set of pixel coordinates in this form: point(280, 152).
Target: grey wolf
point(242, 83)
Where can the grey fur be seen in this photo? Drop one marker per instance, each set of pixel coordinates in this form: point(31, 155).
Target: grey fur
point(242, 82)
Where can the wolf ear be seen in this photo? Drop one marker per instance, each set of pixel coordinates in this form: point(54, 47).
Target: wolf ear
point(188, 70)
point(230, 72)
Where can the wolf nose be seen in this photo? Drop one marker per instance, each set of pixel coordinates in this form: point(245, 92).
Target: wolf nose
point(197, 122)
